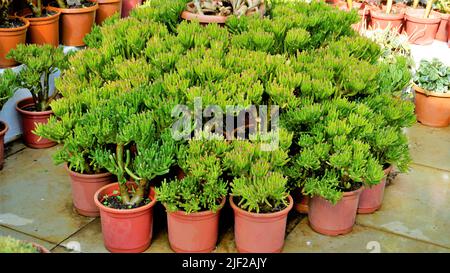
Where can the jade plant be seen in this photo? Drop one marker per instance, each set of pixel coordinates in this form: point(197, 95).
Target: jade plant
point(37, 8)
point(40, 63)
point(12, 245)
point(202, 188)
point(225, 7)
point(433, 76)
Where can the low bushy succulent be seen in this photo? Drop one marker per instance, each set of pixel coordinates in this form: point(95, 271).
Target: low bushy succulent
point(12, 245)
point(8, 83)
point(433, 76)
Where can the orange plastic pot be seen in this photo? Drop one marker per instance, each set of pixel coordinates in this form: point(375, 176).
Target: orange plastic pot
point(421, 31)
point(128, 6)
point(29, 121)
point(260, 232)
point(432, 109)
point(128, 230)
point(3, 130)
point(75, 24)
point(9, 39)
point(442, 33)
point(371, 198)
point(194, 232)
point(328, 219)
point(44, 30)
point(84, 187)
point(106, 9)
point(379, 19)
point(300, 202)
point(448, 32)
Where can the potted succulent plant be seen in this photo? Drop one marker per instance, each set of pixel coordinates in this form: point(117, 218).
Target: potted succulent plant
point(193, 203)
point(13, 31)
point(44, 24)
point(443, 7)
point(422, 24)
point(363, 11)
point(7, 85)
point(128, 6)
point(387, 17)
point(40, 63)
point(106, 9)
point(432, 86)
point(77, 19)
point(211, 11)
point(259, 194)
point(12, 245)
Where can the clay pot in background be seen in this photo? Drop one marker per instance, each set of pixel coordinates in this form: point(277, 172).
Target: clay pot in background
point(29, 120)
point(127, 230)
point(194, 232)
point(9, 39)
point(300, 201)
point(84, 187)
point(3, 129)
point(448, 32)
point(44, 30)
point(75, 24)
point(106, 9)
point(260, 232)
point(333, 220)
point(379, 19)
point(363, 12)
point(442, 33)
point(371, 198)
point(421, 31)
point(128, 6)
point(432, 109)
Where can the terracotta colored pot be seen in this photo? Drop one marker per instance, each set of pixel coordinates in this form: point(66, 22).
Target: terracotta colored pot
point(371, 198)
point(9, 39)
point(260, 232)
point(195, 232)
point(44, 30)
point(40, 248)
point(128, 230)
point(106, 9)
point(333, 220)
point(75, 24)
point(84, 187)
point(379, 19)
point(300, 202)
point(448, 32)
point(432, 109)
point(442, 33)
point(29, 120)
point(128, 6)
point(3, 129)
point(421, 31)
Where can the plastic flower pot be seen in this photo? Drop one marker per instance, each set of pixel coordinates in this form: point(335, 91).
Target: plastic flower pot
point(9, 39)
point(301, 202)
point(328, 219)
point(84, 187)
point(379, 19)
point(29, 119)
point(75, 24)
point(128, 6)
point(421, 31)
point(106, 9)
point(432, 109)
point(260, 232)
point(371, 198)
point(3, 130)
point(127, 230)
point(194, 232)
point(448, 32)
point(442, 33)
point(44, 30)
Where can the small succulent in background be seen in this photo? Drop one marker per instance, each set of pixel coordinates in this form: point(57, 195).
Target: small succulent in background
point(225, 7)
point(392, 43)
point(433, 76)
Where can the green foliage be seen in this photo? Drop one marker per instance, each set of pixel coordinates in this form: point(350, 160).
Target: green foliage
point(40, 63)
point(162, 11)
point(395, 76)
point(11, 245)
point(8, 84)
point(433, 76)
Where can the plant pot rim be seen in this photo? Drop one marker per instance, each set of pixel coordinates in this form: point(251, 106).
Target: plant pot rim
point(52, 18)
point(379, 14)
point(262, 215)
point(415, 15)
point(17, 29)
point(197, 214)
point(76, 10)
point(28, 102)
point(83, 175)
point(5, 128)
point(121, 211)
point(430, 93)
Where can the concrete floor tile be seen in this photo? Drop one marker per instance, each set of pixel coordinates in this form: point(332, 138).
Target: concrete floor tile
point(361, 240)
point(14, 147)
point(4, 231)
point(430, 146)
point(416, 205)
point(35, 197)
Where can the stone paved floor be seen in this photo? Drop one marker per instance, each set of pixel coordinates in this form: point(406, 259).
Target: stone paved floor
point(36, 205)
